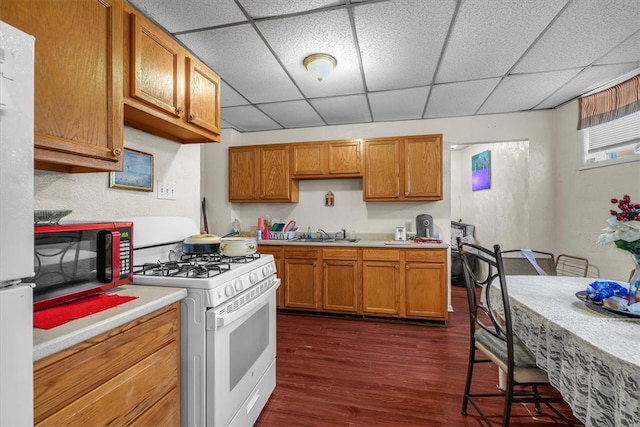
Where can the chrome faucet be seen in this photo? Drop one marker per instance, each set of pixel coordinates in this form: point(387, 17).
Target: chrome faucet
point(321, 231)
point(342, 234)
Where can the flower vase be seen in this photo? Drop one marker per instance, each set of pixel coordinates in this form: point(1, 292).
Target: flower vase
point(634, 281)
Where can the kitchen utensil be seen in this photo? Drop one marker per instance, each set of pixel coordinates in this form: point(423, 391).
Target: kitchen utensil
point(201, 244)
point(424, 225)
point(400, 234)
point(238, 246)
point(289, 226)
point(204, 216)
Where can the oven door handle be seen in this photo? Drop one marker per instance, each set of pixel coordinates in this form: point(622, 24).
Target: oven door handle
point(222, 320)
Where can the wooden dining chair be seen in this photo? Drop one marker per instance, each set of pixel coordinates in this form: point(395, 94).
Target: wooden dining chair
point(515, 262)
point(570, 265)
point(492, 339)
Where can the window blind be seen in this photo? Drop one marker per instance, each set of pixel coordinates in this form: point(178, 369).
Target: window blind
point(610, 104)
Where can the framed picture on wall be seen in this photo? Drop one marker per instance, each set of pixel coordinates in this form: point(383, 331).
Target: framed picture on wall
point(137, 172)
point(481, 171)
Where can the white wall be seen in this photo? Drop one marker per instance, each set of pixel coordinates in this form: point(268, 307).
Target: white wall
point(90, 198)
point(498, 212)
point(582, 200)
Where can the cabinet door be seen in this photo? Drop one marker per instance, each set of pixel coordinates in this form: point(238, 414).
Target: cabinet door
point(202, 96)
point(308, 160)
point(243, 174)
point(425, 290)
point(158, 67)
point(340, 285)
point(344, 158)
point(276, 251)
point(275, 183)
point(78, 106)
point(423, 167)
point(301, 283)
point(382, 171)
point(381, 287)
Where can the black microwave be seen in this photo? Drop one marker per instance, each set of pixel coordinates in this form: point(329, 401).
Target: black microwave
point(79, 259)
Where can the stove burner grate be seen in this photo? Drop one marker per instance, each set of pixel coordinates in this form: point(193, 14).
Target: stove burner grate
point(196, 266)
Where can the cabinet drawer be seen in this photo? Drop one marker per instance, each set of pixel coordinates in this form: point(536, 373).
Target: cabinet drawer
point(276, 251)
point(97, 360)
point(426, 255)
point(306, 253)
point(381, 254)
point(339, 253)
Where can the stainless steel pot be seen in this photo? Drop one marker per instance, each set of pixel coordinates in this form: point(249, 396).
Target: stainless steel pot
point(201, 244)
point(238, 246)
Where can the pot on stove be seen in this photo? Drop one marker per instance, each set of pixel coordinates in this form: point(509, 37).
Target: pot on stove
point(238, 246)
point(201, 244)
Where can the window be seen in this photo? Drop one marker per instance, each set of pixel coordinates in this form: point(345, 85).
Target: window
point(609, 127)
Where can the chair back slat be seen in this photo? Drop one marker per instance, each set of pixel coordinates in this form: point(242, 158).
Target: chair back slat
point(570, 265)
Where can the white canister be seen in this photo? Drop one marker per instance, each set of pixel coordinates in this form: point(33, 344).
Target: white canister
point(401, 234)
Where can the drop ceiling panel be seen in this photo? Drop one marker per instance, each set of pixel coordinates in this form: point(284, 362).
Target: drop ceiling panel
point(231, 98)
point(183, 15)
point(400, 41)
point(459, 99)
point(404, 104)
point(293, 39)
point(293, 114)
point(490, 36)
point(248, 119)
point(513, 94)
point(591, 78)
point(243, 61)
point(343, 109)
point(583, 33)
point(627, 51)
point(261, 8)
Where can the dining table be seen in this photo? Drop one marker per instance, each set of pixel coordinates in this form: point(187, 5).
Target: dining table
point(591, 355)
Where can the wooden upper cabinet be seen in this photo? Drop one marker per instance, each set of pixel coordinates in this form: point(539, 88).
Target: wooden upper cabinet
point(168, 92)
point(382, 169)
point(403, 169)
point(78, 81)
point(423, 167)
point(327, 159)
point(260, 173)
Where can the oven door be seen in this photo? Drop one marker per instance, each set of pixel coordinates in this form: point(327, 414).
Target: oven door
point(241, 352)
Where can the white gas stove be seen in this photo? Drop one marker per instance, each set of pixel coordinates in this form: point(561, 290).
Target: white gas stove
point(227, 321)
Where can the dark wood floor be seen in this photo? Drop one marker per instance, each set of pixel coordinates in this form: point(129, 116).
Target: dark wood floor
point(346, 372)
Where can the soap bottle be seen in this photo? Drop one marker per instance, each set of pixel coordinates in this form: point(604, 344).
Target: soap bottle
point(309, 233)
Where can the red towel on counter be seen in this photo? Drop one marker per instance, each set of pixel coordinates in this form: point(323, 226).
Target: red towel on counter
point(60, 314)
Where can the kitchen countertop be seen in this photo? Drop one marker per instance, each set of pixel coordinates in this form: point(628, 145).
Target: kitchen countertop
point(150, 298)
point(362, 243)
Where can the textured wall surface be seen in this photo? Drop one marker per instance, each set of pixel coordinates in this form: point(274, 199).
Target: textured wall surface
point(90, 198)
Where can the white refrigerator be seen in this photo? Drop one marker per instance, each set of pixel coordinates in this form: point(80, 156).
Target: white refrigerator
point(16, 226)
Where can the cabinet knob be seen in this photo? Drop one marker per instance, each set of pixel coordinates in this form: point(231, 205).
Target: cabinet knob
point(117, 151)
point(324, 264)
point(315, 263)
point(179, 111)
point(397, 267)
point(407, 267)
point(192, 117)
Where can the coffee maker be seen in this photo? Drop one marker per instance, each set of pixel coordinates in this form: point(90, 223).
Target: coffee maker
point(424, 225)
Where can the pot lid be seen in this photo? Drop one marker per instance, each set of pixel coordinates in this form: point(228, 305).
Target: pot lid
point(202, 239)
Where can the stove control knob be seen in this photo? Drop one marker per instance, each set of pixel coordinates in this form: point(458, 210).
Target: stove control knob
point(253, 277)
point(266, 270)
point(238, 285)
point(228, 291)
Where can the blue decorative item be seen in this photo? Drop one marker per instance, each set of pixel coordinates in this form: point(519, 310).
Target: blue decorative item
point(601, 289)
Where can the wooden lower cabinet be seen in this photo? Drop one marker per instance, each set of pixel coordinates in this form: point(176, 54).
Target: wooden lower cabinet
point(126, 376)
point(340, 280)
point(385, 282)
point(381, 282)
point(302, 278)
point(425, 272)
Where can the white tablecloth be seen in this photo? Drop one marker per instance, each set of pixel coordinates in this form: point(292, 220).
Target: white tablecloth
point(592, 358)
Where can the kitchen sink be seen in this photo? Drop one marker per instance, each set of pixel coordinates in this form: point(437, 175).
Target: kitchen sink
point(320, 240)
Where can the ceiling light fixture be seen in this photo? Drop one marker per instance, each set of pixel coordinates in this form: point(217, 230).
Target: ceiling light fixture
point(319, 65)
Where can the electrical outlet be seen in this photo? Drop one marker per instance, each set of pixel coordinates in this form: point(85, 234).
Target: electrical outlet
point(167, 190)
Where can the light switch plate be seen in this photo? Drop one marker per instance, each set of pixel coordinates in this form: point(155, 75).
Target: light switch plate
point(167, 190)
